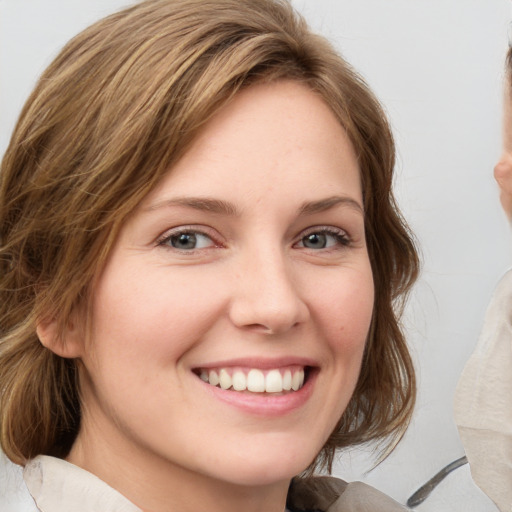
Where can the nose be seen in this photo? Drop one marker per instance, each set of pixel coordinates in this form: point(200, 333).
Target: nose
point(503, 175)
point(503, 170)
point(267, 298)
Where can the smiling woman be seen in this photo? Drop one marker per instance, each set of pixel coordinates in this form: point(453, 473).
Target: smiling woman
point(202, 267)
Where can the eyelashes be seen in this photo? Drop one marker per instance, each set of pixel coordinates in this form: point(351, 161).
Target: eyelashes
point(187, 239)
point(324, 238)
point(191, 239)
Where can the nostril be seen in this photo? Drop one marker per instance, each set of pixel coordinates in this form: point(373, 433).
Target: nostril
point(272, 329)
point(260, 328)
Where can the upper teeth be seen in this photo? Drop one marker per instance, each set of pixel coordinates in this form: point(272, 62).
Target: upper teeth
point(255, 380)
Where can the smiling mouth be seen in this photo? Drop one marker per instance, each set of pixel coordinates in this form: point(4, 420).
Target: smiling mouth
point(255, 380)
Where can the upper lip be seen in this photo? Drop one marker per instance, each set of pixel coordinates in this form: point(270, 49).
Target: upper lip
point(260, 363)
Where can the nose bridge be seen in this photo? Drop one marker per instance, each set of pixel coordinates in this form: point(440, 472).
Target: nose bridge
point(267, 298)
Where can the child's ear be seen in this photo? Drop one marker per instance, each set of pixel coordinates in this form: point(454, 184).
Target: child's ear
point(66, 344)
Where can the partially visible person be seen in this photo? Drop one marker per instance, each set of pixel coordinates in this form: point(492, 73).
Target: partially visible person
point(483, 399)
point(503, 169)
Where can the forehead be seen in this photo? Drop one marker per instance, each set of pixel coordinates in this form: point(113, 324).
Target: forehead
point(280, 134)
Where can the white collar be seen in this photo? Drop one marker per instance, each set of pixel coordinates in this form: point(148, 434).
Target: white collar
point(59, 486)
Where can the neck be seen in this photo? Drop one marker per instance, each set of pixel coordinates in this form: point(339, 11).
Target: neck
point(155, 484)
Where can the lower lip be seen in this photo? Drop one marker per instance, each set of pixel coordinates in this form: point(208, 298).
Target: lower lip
point(264, 404)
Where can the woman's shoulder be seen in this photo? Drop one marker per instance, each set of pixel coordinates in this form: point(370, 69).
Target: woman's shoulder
point(57, 486)
point(329, 494)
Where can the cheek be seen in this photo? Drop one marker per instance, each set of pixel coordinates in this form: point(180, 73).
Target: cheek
point(149, 316)
point(345, 312)
point(346, 307)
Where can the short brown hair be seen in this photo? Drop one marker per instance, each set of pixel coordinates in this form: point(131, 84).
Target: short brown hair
point(118, 106)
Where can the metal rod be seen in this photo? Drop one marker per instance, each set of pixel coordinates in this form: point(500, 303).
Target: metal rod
point(424, 491)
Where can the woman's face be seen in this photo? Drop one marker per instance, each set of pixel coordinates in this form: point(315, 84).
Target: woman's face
point(248, 265)
point(503, 169)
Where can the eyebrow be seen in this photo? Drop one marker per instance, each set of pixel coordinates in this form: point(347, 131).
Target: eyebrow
point(199, 203)
point(221, 207)
point(330, 202)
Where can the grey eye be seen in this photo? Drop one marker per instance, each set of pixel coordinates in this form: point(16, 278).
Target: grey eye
point(315, 241)
point(189, 240)
point(184, 241)
point(325, 239)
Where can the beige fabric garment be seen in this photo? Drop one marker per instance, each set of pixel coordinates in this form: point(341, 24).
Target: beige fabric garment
point(483, 401)
point(58, 486)
point(327, 494)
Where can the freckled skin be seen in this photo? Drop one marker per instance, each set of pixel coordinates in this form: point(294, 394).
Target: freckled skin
point(255, 290)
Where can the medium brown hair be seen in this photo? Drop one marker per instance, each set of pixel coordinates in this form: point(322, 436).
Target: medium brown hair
point(108, 118)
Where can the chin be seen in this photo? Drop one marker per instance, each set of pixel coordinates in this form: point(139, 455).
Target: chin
point(262, 471)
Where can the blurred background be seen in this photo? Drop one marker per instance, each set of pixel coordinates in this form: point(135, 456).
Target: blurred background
point(437, 66)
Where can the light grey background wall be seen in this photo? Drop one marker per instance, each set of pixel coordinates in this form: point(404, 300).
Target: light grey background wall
point(437, 67)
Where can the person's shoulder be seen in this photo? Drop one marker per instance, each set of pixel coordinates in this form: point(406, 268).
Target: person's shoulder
point(329, 494)
point(499, 310)
point(504, 286)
